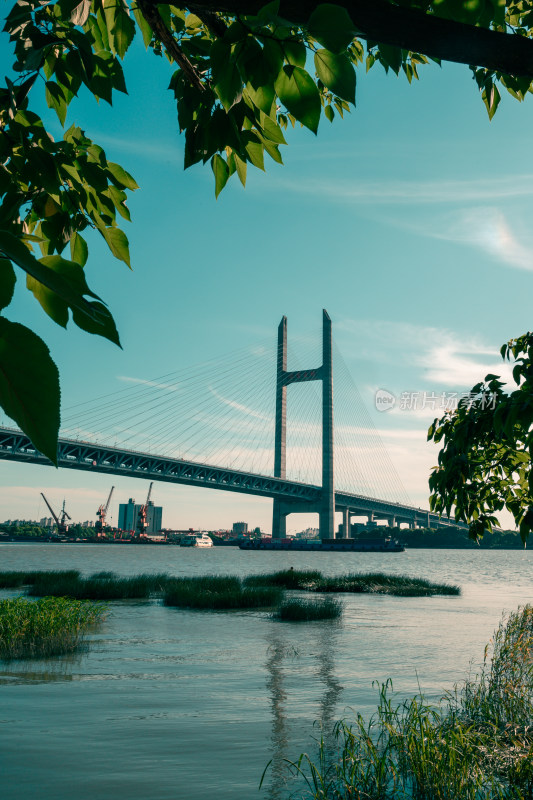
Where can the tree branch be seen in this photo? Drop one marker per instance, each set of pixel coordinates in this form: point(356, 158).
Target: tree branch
point(153, 18)
point(381, 21)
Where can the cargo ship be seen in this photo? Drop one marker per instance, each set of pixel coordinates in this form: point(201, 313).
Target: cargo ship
point(382, 544)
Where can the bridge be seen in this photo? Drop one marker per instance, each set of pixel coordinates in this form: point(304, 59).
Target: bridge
point(289, 496)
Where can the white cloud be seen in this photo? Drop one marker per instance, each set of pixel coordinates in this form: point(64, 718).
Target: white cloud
point(420, 192)
point(169, 387)
point(441, 356)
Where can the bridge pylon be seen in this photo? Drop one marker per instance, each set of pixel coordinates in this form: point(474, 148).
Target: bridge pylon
point(326, 505)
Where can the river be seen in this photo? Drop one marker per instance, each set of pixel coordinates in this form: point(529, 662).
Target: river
point(167, 704)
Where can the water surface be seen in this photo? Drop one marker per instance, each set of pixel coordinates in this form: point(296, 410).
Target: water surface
point(167, 703)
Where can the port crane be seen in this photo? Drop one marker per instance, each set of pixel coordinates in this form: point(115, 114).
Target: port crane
point(62, 526)
point(102, 514)
point(142, 521)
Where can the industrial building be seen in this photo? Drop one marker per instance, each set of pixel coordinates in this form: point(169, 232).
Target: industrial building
point(240, 527)
point(128, 514)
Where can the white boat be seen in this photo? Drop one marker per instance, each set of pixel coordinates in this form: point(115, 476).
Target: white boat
point(201, 539)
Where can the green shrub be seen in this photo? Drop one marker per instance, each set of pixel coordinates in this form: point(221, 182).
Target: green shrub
point(46, 627)
point(298, 610)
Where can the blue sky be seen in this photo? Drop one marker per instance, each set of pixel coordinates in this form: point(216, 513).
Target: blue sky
point(407, 221)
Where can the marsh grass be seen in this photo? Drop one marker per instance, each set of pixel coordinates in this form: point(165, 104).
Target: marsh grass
point(287, 579)
point(379, 583)
point(298, 610)
point(16, 580)
point(477, 744)
point(219, 593)
point(46, 627)
point(101, 586)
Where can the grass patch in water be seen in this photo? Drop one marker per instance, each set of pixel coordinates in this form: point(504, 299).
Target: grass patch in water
point(477, 744)
point(101, 586)
point(218, 593)
point(287, 578)
point(379, 583)
point(15, 580)
point(46, 627)
point(298, 610)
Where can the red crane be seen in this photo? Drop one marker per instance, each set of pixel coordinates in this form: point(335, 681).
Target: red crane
point(102, 513)
point(62, 526)
point(142, 522)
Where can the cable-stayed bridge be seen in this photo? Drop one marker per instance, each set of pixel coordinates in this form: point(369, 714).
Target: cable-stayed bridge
point(187, 409)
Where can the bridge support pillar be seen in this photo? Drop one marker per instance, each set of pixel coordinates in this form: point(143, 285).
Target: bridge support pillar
point(345, 529)
point(392, 522)
point(326, 505)
point(279, 521)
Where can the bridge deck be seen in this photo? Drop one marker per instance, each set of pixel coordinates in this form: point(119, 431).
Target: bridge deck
point(16, 446)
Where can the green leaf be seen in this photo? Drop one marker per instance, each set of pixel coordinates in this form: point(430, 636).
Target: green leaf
point(121, 177)
point(295, 52)
point(29, 386)
point(55, 99)
point(261, 96)
point(96, 319)
point(123, 31)
point(221, 173)
point(332, 27)
point(271, 129)
point(7, 282)
point(99, 322)
point(299, 94)
point(330, 114)
point(240, 166)
point(254, 150)
point(118, 243)
point(78, 249)
point(19, 253)
point(145, 28)
point(336, 73)
point(227, 80)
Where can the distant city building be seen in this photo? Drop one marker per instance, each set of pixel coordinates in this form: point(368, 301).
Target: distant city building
point(309, 533)
point(46, 522)
point(240, 527)
point(128, 514)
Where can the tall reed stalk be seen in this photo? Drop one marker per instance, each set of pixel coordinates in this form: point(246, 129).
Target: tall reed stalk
point(46, 627)
point(477, 744)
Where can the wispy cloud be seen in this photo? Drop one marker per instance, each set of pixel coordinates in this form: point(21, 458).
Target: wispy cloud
point(167, 387)
point(487, 229)
point(441, 356)
point(149, 149)
point(422, 192)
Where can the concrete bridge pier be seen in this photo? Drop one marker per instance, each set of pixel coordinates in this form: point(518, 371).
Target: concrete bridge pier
point(345, 528)
point(326, 505)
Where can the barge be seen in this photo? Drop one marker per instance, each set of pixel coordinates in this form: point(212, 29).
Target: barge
point(383, 544)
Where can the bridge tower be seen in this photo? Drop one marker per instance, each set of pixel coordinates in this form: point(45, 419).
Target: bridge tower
point(324, 373)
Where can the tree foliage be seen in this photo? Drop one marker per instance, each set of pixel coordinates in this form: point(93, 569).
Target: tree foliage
point(243, 72)
point(485, 464)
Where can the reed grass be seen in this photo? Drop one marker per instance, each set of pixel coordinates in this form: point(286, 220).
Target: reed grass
point(298, 610)
point(380, 583)
point(15, 580)
point(287, 578)
point(219, 593)
point(46, 627)
point(477, 744)
point(101, 586)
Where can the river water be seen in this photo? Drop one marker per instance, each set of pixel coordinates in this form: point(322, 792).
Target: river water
point(167, 704)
